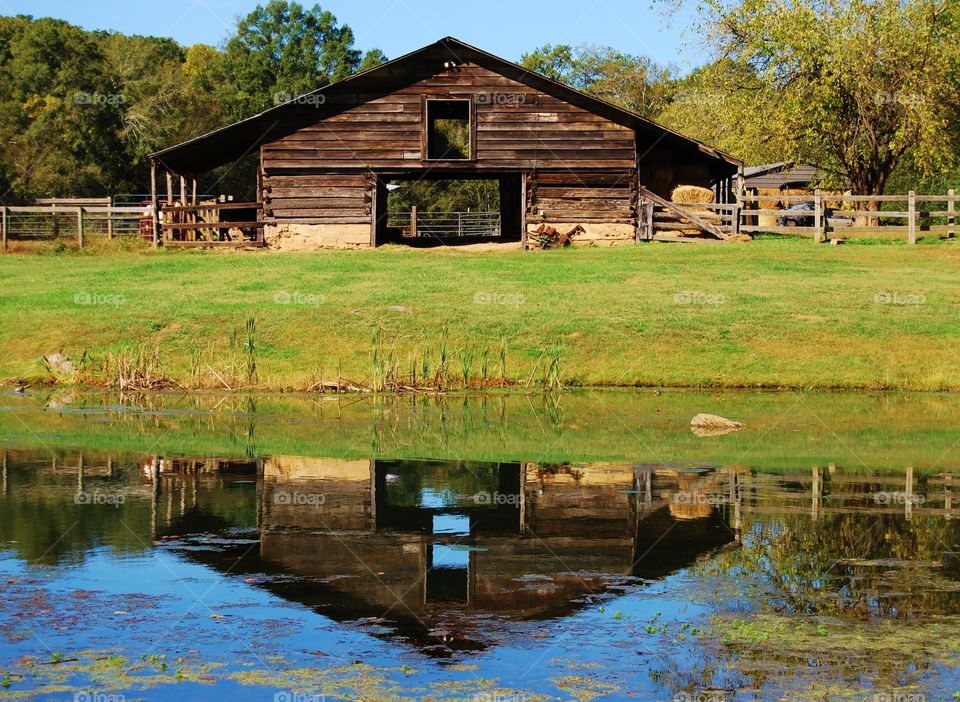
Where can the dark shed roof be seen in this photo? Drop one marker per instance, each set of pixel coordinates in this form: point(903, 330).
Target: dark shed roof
point(235, 141)
point(777, 176)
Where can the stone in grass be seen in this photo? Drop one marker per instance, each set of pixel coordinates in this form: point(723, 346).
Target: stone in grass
point(713, 425)
point(60, 367)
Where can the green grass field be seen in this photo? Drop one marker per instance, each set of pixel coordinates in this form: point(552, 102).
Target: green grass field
point(773, 313)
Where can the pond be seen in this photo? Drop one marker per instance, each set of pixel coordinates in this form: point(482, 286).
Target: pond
point(486, 548)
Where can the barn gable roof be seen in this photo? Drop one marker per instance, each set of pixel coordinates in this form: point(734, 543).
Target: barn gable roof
point(235, 141)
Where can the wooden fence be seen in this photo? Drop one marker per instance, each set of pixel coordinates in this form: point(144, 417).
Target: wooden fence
point(827, 216)
point(80, 219)
point(77, 219)
point(222, 224)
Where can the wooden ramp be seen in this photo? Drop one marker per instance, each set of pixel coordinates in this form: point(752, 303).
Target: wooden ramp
point(661, 219)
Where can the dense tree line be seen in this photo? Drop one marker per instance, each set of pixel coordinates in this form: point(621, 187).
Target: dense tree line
point(80, 111)
point(867, 89)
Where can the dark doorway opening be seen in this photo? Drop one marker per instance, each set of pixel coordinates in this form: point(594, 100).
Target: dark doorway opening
point(429, 209)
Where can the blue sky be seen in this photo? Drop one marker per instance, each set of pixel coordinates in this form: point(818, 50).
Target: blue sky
point(507, 28)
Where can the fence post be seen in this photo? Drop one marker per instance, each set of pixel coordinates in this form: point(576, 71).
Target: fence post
point(155, 207)
point(651, 223)
point(912, 216)
point(459, 223)
point(818, 218)
point(80, 226)
point(638, 233)
point(110, 220)
point(3, 210)
point(413, 221)
point(951, 208)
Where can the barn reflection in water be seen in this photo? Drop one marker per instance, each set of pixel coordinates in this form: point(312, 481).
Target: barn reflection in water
point(427, 548)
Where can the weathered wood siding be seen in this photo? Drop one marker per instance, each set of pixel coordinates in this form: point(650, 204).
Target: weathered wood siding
point(582, 197)
point(344, 198)
point(315, 174)
point(517, 128)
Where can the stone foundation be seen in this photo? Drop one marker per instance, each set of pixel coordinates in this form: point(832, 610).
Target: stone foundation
point(597, 234)
point(314, 237)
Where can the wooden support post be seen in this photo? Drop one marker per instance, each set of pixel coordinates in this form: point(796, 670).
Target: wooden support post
point(818, 218)
point(5, 224)
point(183, 191)
point(912, 215)
point(155, 206)
point(738, 213)
point(651, 228)
point(261, 230)
point(374, 210)
point(413, 222)
point(80, 226)
point(523, 210)
point(193, 197)
point(951, 209)
point(169, 215)
point(638, 233)
point(638, 211)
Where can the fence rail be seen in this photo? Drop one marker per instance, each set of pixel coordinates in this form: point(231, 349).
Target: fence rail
point(911, 216)
point(854, 215)
point(57, 220)
point(847, 216)
point(217, 223)
point(414, 224)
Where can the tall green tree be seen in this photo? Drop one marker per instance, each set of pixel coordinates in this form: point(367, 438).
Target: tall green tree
point(60, 111)
point(632, 82)
point(282, 49)
point(149, 72)
point(372, 59)
point(727, 105)
point(856, 85)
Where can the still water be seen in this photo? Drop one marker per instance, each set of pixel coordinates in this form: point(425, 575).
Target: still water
point(498, 548)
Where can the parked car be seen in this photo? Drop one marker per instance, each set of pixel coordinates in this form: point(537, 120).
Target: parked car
point(804, 217)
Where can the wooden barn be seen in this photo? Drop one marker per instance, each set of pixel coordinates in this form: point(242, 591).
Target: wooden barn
point(330, 159)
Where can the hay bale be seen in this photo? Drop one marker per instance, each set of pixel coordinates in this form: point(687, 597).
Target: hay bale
point(698, 508)
point(691, 193)
point(769, 198)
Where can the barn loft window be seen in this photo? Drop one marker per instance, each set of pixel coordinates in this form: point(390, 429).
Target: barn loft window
point(449, 127)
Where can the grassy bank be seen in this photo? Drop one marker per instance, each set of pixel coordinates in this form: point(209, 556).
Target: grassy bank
point(768, 314)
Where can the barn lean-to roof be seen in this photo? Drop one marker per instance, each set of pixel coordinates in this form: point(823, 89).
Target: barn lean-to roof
point(780, 175)
point(230, 143)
